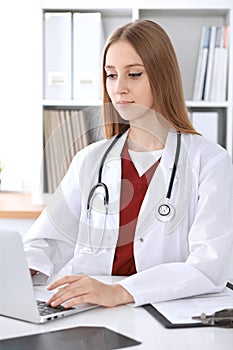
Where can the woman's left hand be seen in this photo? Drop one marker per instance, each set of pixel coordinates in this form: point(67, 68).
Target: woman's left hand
point(78, 289)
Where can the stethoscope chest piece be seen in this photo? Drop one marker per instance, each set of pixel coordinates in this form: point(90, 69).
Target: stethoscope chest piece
point(165, 212)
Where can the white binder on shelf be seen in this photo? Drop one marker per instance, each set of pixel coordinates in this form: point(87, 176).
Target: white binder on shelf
point(206, 123)
point(210, 64)
point(199, 82)
point(87, 51)
point(57, 55)
point(219, 80)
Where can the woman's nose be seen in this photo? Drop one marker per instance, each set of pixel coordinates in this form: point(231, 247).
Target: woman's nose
point(121, 86)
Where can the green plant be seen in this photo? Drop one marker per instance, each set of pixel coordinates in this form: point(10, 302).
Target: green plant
point(1, 166)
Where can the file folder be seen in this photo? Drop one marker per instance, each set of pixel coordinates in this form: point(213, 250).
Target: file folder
point(87, 51)
point(57, 55)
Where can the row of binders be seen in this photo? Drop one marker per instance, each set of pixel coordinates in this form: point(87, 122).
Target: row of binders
point(73, 44)
point(65, 133)
point(211, 71)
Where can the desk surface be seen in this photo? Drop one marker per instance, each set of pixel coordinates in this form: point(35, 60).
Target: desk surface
point(133, 322)
point(17, 205)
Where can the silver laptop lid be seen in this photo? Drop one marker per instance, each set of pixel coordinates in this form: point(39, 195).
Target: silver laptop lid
point(17, 298)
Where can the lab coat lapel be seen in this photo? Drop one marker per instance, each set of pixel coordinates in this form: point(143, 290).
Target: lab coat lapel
point(158, 187)
point(112, 177)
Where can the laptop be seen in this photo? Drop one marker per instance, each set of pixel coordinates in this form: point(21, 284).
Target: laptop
point(17, 294)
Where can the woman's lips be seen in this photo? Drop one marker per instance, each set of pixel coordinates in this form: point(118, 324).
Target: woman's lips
point(124, 103)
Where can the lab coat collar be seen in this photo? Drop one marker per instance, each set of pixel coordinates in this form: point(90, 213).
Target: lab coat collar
point(168, 157)
point(115, 152)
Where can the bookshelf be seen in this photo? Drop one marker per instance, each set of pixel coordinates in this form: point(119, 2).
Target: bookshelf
point(183, 22)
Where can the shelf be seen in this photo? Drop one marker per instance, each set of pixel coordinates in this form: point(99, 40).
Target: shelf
point(76, 103)
point(122, 4)
point(71, 103)
point(17, 205)
point(183, 21)
point(121, 7)
point(207, 104)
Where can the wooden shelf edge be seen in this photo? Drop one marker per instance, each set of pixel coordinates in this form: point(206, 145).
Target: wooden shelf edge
point(17, 205)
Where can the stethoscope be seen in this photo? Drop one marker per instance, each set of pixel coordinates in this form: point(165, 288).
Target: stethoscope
point(91, 196)
point(100, 183)
point(165, 211)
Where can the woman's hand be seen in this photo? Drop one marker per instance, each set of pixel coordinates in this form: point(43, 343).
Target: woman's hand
point(78, 289)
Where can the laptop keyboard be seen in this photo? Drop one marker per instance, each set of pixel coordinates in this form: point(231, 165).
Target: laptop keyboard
point(44, 309)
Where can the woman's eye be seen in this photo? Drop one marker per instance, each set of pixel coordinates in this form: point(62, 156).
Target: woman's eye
point(135, 75)
point(111, 75)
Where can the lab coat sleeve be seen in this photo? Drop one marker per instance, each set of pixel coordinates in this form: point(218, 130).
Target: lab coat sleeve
point(210, 243)
point(50, 242)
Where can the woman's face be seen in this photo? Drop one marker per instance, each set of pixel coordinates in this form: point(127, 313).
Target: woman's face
point(127, 82)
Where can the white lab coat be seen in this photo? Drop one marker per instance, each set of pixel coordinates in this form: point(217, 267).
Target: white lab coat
point(187, 256)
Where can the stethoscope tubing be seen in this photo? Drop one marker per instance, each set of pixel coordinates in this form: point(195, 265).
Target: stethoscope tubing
point(105, 156)
point(177, 155)
point(104, 186)
point(100, 183)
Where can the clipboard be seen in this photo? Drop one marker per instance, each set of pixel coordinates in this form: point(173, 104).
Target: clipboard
point(168, 324)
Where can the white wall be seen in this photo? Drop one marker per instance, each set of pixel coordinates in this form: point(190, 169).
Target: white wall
point(20, 94)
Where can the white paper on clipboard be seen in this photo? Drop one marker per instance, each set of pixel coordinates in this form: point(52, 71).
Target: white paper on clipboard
point(181, 311)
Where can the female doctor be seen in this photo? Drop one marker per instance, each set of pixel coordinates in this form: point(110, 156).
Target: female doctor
point(153, 202)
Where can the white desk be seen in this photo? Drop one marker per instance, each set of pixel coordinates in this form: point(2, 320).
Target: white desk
point(133, 322)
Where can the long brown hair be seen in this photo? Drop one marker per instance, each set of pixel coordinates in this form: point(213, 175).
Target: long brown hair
point(156, 51)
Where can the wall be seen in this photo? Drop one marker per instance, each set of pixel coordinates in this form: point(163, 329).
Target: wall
point(21, 91)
